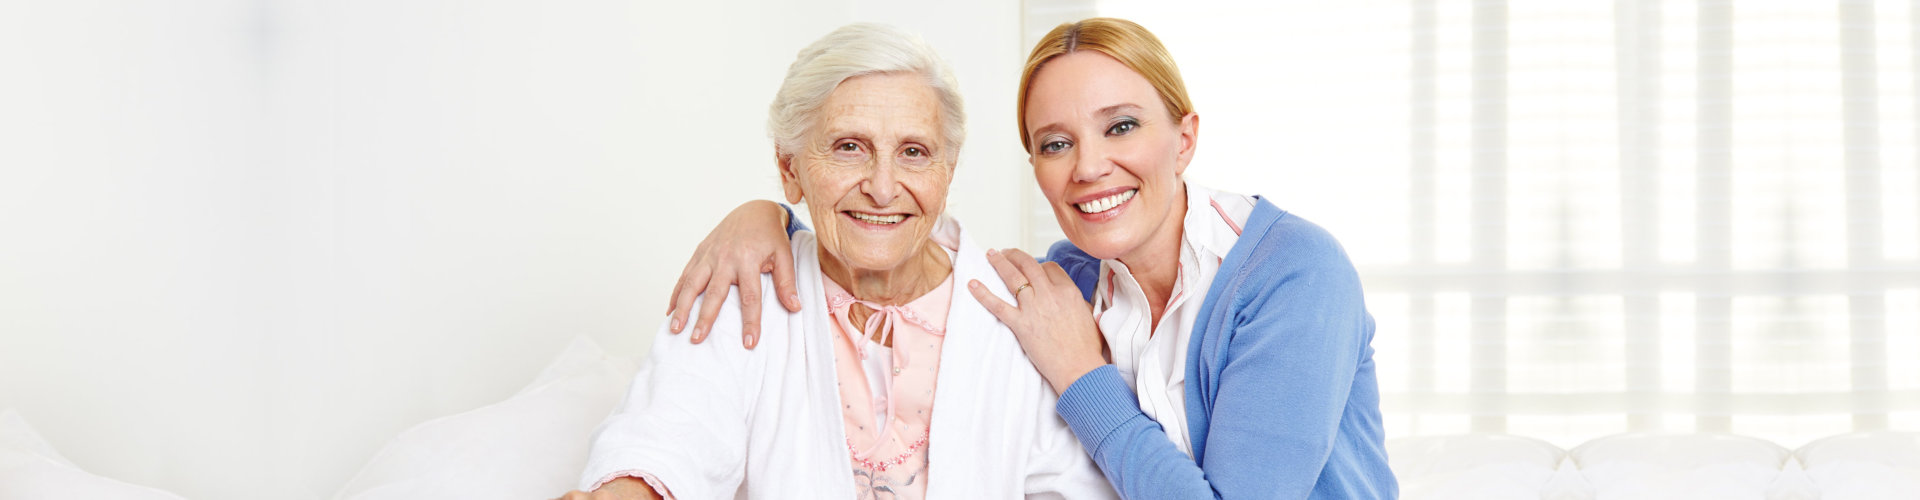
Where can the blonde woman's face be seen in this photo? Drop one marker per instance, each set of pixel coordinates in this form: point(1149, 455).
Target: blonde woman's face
point(873, 170)
point(1106, 153)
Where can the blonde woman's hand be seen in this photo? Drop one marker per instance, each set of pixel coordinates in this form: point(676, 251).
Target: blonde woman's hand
point(1052, 320)
point(750, 241)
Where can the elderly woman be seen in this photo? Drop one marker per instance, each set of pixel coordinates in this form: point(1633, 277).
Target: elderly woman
point(1237, 360)
point(884, 376)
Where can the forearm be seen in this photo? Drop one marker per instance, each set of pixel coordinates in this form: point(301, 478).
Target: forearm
point(1131, 449)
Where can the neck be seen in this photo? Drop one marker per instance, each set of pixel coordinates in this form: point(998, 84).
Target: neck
point(1155, 264)
point(927, 268)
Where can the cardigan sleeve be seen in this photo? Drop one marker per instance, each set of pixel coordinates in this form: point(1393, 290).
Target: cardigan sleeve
point(1283, 358)
point(793, 221)
point(684, 419)
point(1130, 448)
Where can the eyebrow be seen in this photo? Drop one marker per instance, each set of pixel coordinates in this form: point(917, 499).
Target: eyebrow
point(837, 132)
point(1106, 111)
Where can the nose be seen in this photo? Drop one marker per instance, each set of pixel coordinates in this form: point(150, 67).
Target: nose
point(881, 184)
point(1091, 162)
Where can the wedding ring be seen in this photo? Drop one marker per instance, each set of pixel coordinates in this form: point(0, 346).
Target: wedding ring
point(1023, 287)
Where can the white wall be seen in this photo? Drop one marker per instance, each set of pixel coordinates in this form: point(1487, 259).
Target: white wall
point(242, 244)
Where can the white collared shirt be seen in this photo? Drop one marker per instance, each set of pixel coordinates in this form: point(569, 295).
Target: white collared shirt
point(1154, 360)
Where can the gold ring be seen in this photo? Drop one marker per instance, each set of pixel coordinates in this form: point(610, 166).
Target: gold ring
point(1023, 287)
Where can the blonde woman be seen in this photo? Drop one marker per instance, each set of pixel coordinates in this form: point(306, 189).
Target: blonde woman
point(1240, 343)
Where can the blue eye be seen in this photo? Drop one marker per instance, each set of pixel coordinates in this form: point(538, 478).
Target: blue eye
point(1122, 128)
point(1053, 146)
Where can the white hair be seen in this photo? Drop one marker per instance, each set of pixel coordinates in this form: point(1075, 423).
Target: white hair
point(855, 50)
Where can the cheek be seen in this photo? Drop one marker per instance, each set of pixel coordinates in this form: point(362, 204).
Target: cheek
point(1052, 174)
point(930, 190)
point(826, 185)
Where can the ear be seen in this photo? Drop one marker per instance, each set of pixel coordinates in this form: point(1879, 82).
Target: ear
point(1189, 138)
point(789, 178)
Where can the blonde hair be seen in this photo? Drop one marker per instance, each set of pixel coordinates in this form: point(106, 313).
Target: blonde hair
point(855, 50)
point(1123, 40)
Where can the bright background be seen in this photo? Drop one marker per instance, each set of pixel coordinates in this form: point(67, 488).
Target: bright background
point(243, 243)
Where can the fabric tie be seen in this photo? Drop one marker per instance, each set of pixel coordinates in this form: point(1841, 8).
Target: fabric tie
point(880, 325)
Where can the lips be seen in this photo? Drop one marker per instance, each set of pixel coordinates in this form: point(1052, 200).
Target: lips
point(877, 219)
point(1106, 201)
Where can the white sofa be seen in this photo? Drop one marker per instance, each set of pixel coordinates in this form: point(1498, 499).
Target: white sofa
point(1647, 466)
point(533, 444)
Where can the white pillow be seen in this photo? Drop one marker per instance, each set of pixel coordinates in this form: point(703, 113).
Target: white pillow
point(532, 445)
point(1865, 465)
point(1479, 466)
point(31, 469)
point(1650, 466)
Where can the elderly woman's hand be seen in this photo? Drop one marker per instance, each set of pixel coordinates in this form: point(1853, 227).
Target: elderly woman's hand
point(626, 488)
point(1053, 322)
point(751, 240)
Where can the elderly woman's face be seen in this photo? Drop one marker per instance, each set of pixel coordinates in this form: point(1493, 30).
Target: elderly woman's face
point(873, 169)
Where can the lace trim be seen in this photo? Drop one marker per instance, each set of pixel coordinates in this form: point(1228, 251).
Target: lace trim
point(883, 465)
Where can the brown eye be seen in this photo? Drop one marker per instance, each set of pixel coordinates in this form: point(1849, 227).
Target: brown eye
point(850, 147)
point(915, 152)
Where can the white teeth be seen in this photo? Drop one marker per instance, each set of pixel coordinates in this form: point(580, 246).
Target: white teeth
point(1107, 203)
point(879, 219)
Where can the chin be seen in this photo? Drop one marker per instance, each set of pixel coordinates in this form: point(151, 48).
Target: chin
point(876, 255)
point(1108, 244)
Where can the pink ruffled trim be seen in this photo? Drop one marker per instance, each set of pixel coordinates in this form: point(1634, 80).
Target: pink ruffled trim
point(652, 482)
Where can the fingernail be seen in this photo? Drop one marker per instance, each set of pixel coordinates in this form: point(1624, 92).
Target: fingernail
point(751, 338)
point(992, 252)
point(973, 283)
point(793, 298)
point(675, 325)
point(699, 334)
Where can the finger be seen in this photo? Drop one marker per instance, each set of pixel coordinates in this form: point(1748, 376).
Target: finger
point(1009, 275)
point(749, 309)
point(1027, 265)
point(1000, 308)
point(672, 297)
point(1057, 274)
point(783, 283)
point(710, 308)
point(673, 300)
point(692, 283)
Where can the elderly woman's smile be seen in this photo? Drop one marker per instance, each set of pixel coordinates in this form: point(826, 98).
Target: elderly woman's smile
point(874, 169)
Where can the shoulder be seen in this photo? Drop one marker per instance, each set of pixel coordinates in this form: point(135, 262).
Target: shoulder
point(1283, 252)
point(726, 331)
point(1064, 252)
point(1304, 241)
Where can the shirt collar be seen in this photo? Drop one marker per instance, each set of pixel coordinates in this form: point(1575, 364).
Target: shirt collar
point(1207, 229)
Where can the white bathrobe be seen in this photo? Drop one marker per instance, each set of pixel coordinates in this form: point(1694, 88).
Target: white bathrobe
point(716, 420)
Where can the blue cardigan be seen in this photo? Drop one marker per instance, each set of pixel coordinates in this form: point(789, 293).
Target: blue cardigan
point(1281, 396)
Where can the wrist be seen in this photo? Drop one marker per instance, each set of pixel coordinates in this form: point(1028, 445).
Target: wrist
point(1067, 374)
point(764, 206)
